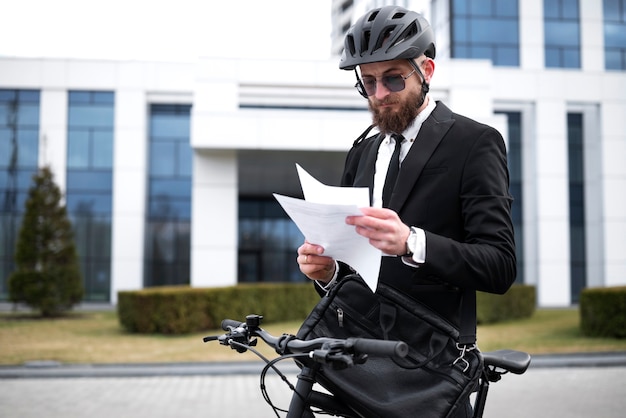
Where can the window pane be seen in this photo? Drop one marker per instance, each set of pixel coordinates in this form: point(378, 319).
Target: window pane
point(562, 33)
point(571, 58)
point(28, 147)
point(78, 149)
point(102, 147)
point(185, 158)
point(92, 116)
point(481, 7)
point(28, 114)
point(506, 8)
point(161, 161)
point(614, 35)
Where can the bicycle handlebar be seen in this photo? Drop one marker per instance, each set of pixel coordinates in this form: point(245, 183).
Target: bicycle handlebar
point(288, 344)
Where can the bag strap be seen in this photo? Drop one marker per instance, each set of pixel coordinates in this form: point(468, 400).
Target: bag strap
point(467, 326)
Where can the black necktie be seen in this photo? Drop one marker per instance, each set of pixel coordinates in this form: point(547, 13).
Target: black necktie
point(392, 171)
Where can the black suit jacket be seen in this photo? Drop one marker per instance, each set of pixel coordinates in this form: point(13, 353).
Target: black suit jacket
point(454, 184)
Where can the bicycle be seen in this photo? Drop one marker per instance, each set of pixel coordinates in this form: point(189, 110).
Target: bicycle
point(341, 353)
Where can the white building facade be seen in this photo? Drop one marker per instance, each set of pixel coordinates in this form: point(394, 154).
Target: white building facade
point(244, 124)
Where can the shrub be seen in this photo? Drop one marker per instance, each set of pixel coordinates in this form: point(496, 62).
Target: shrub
point(183, 309)
point(47, 276)
point(603, 312)
point(519, 302)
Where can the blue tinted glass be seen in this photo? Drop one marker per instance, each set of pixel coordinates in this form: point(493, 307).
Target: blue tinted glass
point(611, 9)
point(551, 10)
point(89, 181)
point(88, 203)
point(7, 95)
point(102, 148)
point(613, 59)
point(482, 52)
point(170, 187)
point(93, 116)
point(552, 57)
point(28, 96)
point(25, 178)
point(570, 9)
point(507, 56)
point(6, 147)
point(460, 30)
point(562, 33)
point(167, 208)
point(504, 31)
point(28, 114)
point(162, 162)
point(459, 7)
point(5, 113)
point(77, 97)
point(167, 126)
point(185, 158)
point(28, 143)
point(481, 7)
point(571, 58)
point(614, 35)
point(507, 8)
point(105, 97)
point(461, 51)
point(78, 149)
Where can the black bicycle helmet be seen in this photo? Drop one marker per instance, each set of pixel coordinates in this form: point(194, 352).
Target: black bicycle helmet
point(385, 34)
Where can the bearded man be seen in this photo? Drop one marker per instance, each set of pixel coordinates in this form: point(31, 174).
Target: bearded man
point(439, 183)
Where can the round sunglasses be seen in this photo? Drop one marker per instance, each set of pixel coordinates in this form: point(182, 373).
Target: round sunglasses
point(366, 86)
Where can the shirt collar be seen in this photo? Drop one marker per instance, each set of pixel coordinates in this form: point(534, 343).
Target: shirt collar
point(412, 131)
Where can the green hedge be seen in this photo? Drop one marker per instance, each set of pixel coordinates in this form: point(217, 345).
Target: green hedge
point(519, 302)
point(603, 312)
point(183, 309)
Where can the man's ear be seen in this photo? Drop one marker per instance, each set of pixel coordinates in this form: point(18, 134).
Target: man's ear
point(428, 68)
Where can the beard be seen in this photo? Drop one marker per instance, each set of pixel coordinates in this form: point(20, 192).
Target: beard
point(389, 121)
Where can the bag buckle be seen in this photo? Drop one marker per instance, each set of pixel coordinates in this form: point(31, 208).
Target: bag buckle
point(462, 350)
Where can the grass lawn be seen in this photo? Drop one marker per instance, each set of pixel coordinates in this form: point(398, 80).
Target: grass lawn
point(97, 337)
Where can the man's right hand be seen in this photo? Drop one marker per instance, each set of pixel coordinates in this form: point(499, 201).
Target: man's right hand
point(314, 264)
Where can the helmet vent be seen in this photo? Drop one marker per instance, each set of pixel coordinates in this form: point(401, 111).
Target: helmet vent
point(350, 44)
point(398, 15)
point(408, 33)
point(384, 36)
point(365, 41)
point(373, 16)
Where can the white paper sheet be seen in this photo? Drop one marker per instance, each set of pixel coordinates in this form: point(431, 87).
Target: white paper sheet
point(321, 218)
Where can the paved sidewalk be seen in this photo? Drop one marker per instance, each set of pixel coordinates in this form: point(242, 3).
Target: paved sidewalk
point(575, 386)
point(574, 392)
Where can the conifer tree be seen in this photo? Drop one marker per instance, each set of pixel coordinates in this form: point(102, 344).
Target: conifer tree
point(47, 275)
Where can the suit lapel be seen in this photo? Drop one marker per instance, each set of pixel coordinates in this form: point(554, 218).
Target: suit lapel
point(430, 135)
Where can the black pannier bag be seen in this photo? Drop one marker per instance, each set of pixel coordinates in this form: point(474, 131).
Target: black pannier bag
point(433, 380)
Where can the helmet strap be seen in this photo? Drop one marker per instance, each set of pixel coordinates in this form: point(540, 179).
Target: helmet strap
point(425, 85)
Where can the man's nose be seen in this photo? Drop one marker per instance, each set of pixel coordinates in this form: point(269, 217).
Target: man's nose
point(381, 90)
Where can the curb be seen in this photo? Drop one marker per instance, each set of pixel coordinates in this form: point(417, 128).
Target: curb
point(51, 369)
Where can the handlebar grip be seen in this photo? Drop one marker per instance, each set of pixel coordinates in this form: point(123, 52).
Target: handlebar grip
point(380, 347)
point(226, 323)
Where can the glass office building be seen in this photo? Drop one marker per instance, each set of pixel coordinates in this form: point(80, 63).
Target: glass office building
point(165, 185)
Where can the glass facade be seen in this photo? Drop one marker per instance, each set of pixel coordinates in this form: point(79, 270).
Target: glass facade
point(19, 154)
point(561, 33)
point(90, 184)
point(168, 225)
point(578, 259)
point(514, 158)
point(268, 241)
point(615, 34)
point(486, 29)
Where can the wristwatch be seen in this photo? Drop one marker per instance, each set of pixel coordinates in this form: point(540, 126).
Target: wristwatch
point(411, 242)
